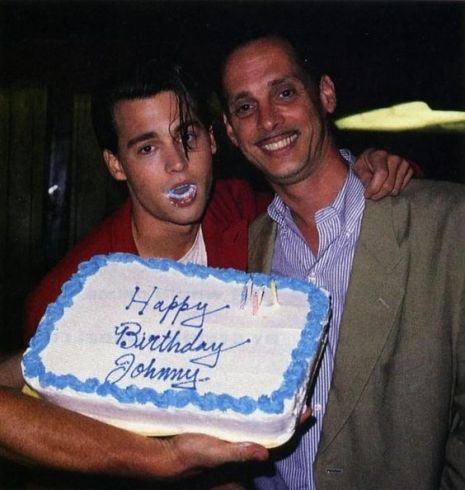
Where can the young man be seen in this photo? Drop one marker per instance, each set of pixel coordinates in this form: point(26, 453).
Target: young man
point(155, 132)
point(389, 401)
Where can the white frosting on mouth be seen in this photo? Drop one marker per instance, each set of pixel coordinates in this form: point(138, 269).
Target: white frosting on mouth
point(282, 143)
point(182, 192)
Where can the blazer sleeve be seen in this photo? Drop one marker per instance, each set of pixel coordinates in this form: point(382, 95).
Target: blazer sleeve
point(453, 477)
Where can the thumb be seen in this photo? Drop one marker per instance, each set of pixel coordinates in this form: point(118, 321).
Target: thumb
point(201, 451)
point(247, 451)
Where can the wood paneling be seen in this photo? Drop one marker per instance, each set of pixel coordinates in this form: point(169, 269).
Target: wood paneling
point(34, 150)
point(4, 150)
point(22, 166)
point(94, 194)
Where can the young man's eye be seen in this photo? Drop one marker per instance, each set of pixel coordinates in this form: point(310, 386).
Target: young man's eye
point(188, 138)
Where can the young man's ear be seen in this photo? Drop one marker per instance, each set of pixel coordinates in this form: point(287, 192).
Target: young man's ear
point(328, 94)
point(213, 144)
point(114, 166)
point(229, 130)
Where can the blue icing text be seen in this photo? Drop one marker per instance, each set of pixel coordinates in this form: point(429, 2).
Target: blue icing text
point(126, 365)
point(130, 335)
point(175, 306)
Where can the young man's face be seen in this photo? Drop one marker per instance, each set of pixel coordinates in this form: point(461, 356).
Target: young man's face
point(271, 116)
point(163, 183)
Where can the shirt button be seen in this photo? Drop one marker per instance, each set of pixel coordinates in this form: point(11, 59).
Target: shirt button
point(317, 407)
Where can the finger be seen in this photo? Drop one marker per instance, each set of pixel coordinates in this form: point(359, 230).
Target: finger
point(306, 415)
point(417, 170)
point(407, 178)
point(400, 175)
point(381, 177)
point(397, 167)
point(249, 451)
point(363, 166)
point(201, 451)
point(375, 186)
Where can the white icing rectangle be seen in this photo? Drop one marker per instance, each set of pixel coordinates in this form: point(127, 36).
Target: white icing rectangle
point(161, 347)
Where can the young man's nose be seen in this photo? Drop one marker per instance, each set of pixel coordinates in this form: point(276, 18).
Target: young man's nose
point(175, 158)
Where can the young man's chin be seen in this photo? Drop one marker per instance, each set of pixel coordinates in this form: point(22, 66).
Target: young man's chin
point(187, 219)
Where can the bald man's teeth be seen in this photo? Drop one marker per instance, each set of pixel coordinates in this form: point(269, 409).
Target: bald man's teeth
point(279, 145)
point(182, 193)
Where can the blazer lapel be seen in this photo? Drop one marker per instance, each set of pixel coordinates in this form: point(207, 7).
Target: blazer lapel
point(373, 298)
point(262, 235)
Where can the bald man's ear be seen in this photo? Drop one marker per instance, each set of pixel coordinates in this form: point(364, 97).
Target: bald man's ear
point(114, 165)
point(229, 130)
point(328, 94)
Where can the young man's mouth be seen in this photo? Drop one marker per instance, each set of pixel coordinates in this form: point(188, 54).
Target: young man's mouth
point(182, 195)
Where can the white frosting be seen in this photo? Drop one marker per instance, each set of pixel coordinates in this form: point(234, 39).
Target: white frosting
point(125, 323)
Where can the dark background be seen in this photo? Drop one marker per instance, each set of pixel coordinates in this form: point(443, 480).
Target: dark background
point(52, 52)
point(378, 54)
point(385, 51)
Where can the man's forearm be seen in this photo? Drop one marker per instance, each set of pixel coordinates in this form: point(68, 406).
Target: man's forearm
point(10, 371)
point(37, 432)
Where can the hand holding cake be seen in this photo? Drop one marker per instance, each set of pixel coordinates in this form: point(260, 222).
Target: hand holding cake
point(93, 447)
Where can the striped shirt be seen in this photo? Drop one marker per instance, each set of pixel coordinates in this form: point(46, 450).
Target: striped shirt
point(338, 228)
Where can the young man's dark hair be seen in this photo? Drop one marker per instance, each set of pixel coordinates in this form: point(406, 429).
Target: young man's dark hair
point(143, 80)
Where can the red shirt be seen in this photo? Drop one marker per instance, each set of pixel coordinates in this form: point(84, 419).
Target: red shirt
point(225, 229)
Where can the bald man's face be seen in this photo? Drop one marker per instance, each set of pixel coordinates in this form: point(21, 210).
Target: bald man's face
point(271, 117)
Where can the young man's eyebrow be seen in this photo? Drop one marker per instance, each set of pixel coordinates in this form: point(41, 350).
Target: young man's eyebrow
point(140, 138)
point(187, 124)
point(152, 134)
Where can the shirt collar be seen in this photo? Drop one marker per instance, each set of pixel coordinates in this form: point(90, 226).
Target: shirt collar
point(347, 206)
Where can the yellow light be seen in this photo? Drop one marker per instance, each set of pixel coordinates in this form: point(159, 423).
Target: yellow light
point(404, 117)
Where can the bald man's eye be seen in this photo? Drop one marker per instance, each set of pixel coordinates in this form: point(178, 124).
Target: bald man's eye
point(243, 109)
point(287, 93)
point(145, 150)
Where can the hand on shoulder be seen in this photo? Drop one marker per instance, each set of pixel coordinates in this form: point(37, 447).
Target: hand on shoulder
point(383, 173)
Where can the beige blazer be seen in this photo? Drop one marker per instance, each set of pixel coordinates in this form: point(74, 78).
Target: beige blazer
point(396, 411)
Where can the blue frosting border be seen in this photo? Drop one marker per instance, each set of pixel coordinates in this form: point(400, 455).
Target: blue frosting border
point(272, 403)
